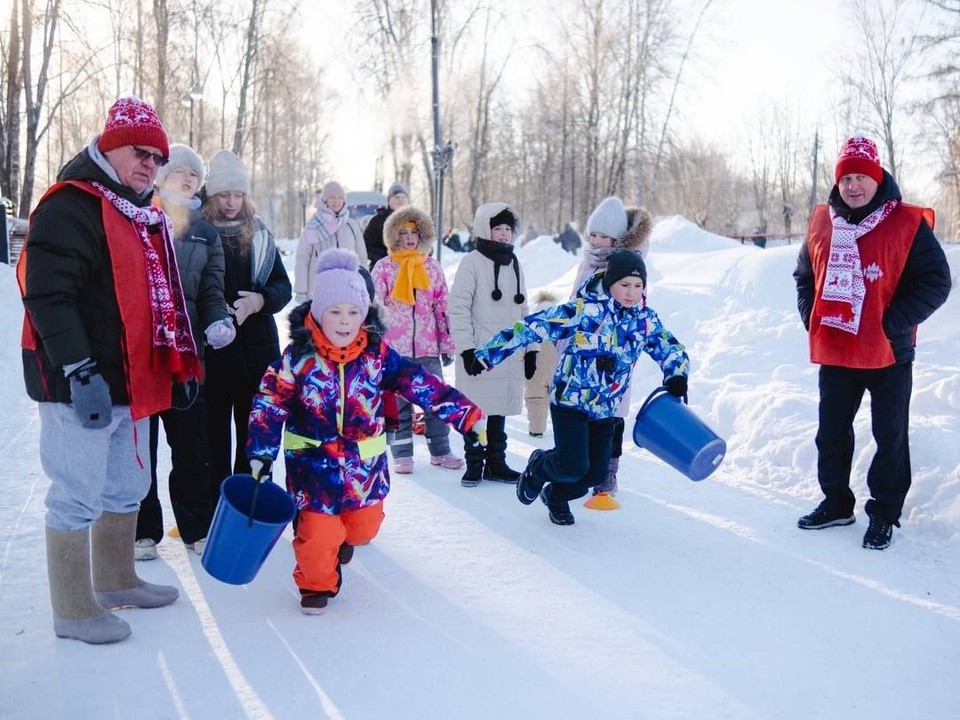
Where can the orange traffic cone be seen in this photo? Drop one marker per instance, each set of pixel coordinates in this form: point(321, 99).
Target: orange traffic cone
point(602, 501)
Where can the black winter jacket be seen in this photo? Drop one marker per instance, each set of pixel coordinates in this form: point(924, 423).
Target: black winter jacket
point(69, 289)
point(373, 236)
point(258, 342)
point(923, 287)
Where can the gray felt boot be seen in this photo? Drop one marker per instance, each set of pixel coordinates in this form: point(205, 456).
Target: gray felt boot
point(76, 612)
point(114, 579)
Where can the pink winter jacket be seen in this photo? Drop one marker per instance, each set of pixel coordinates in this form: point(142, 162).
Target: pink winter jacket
point(419, 330)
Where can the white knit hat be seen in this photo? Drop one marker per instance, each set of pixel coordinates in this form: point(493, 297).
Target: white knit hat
point(227, 174)
point(610, 218)
point(182, 156)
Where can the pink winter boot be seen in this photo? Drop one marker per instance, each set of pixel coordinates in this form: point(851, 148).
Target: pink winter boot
point(448, 461)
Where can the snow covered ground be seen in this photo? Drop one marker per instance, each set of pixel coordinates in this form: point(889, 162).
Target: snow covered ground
point(695, 600)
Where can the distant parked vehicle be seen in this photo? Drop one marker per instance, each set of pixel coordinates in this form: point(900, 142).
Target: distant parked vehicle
point(364, 203)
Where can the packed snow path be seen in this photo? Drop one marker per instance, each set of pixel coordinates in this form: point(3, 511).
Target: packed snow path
point(693, 600)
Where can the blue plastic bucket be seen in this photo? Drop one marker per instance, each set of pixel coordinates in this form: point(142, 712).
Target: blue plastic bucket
point(669, 429)
point(249, 519)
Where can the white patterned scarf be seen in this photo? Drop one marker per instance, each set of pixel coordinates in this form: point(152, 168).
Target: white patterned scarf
point(169, 321)
point(843, 289)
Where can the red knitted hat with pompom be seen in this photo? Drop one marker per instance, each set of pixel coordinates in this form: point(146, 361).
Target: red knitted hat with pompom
point(859, 156)
point(132, 122)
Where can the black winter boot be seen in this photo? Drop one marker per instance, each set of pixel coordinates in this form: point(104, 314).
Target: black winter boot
point(558, 509)
point(496, 467)
point(474, 453)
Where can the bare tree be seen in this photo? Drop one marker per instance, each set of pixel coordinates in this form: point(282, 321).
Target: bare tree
point(666, 124)
point(698, 183)
point(35, 89)
point(161, 20)
point(488, 81)
point(884, 62)
point(253, 37)
point(392, 33)
point(10, 127)
point(761, 171)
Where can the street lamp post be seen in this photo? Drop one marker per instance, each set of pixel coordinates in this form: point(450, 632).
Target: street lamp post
point(192, 95)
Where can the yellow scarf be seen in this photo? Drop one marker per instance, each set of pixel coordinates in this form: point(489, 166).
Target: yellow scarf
point(411, 275)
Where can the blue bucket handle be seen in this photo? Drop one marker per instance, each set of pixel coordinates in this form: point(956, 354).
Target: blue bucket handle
point(656, 393)
point(265, 477)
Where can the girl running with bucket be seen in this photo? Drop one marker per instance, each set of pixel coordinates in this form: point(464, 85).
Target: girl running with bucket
point(327, 389)
point(608, 329)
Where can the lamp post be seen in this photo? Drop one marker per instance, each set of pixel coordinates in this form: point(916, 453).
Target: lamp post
point(191, 96)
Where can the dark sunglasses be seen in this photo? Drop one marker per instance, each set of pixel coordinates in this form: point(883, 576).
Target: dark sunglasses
point(158, 159)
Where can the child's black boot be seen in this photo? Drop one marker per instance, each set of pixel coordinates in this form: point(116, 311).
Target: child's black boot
point(473, 454)
point(496, 467)
point(558, 509)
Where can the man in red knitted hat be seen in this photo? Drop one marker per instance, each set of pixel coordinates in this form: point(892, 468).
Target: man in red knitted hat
point(870, 271)
point(106, 344)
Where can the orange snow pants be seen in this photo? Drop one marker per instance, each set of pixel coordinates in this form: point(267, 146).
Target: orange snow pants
point(318, 538)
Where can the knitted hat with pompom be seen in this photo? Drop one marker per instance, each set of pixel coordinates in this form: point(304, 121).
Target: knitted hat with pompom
point(859, 156)
point(338, 281)
point(130, 121)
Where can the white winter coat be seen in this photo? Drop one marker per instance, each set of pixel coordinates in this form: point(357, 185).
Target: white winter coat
point(475, 317)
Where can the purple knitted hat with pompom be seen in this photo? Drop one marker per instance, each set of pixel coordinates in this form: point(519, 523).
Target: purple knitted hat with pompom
point(338, 281)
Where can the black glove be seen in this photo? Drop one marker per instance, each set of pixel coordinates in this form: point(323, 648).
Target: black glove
point(677, 386)
point(90, 396)
point(471, 364)
point(530, 364)
point(185, 394)
point(446, 359)
point(262, 469)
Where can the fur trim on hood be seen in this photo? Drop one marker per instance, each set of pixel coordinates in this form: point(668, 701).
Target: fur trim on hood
point(400, 217)
point(639, 225)
point(544, 299)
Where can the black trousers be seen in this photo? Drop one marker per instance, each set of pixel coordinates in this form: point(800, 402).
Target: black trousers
point(229, 399)
point(191, 476)
point(580, 456)
point(888, 478)
point(619, 425)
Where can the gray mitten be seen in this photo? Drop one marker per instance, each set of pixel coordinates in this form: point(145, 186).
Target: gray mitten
point(90, 396)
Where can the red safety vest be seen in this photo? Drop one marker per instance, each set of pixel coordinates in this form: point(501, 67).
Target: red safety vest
point(883, 255)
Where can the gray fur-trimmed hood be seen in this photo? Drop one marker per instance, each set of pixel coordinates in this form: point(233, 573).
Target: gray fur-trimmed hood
point(400, 217)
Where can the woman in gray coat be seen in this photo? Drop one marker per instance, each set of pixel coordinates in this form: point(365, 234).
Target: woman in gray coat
point(487, 295)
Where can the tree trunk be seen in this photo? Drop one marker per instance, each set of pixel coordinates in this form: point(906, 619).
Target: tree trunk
point(10, 138)
point(35, 97)
point(161, 18)
point(253, 38)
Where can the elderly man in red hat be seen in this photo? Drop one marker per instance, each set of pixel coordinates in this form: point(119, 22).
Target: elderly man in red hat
point(106, 344)
point(868, 274)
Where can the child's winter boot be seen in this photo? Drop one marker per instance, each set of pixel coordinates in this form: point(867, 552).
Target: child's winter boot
point(496, 467)
point(558, 508)
point(602, 498)
point(474, 457)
